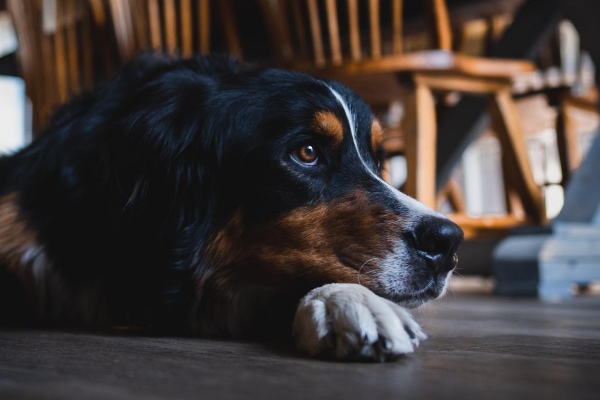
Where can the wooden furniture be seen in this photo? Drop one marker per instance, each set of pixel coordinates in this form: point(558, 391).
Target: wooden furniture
point(568, 147)
point(172, 26)
point(56, 51)
point(343, 50)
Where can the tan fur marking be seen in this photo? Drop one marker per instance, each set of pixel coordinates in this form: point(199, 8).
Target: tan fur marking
point(376, 135)
point(321, 244)
point(15, 237)
point(328, 124)
point(224, 247)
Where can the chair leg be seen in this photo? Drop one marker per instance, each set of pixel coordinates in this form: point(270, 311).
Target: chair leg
point(515, 151)
point(421, 130)
point(453, 193)
point(566, 137)
point(510, 173)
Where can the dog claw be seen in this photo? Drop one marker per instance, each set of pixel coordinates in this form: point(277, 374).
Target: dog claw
point(365, 338)
point(385, 342)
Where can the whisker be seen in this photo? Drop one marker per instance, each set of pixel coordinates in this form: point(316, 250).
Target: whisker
point(361, 267)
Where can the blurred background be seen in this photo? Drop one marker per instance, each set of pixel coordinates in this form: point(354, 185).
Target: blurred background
point(489, 107)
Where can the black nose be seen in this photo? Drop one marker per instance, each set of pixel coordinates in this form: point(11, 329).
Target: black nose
point(437, 239)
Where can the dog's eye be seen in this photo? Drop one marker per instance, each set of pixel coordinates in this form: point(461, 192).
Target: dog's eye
point(306, 154)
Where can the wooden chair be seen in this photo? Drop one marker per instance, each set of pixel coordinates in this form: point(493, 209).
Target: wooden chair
point(566, 132)
point(344, 50)
point(56, 54)
point(171, 26)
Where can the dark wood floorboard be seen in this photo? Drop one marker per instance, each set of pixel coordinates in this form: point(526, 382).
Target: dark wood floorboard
point(480, 347)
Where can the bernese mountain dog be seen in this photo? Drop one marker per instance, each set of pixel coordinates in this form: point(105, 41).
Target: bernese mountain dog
point(200, 196)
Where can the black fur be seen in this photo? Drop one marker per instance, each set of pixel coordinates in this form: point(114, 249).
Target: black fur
point(126, 183)
point(128, 186)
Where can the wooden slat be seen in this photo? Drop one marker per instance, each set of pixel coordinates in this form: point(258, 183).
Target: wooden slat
point(60, 58)
point(141, 25)
point(170, 25)
point(420, 128)
point(435, 60)
point(397, 27)
point(453, 193)
point(443, 32)
point(186, 27)
point(301, 38)
point(278, 28)
point(425, 142)
point(455, 82)
point(567, 143)
point(375, 29)
point(229, 28)
point(334, 32)
point(154, 24)
point(486, 226)
point(585, 104)
point(98, 11)
point(204, 28)
point(353, 24)
point(315, 28)
point(49, 94)
point(72, 50)
point(87, 57)
point(498, 24)
point(121, 22)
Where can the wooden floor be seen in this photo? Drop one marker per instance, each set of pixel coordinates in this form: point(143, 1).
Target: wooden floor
point(480, 347)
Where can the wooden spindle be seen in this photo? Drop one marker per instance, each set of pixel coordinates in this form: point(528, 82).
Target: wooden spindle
point(375, 29)
point(334, 32)
point(315, 28)
point(355, 51)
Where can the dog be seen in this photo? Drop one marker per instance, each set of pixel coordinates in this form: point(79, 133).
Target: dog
point(202, 196)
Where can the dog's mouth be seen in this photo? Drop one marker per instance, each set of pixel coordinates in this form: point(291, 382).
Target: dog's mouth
point(422, 284)
point(415, 298)
point(430, 291)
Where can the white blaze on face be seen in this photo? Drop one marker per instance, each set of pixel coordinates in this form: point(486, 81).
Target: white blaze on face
point(411, 203)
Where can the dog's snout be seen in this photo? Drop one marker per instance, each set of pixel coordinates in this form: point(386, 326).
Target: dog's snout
point(437, 239)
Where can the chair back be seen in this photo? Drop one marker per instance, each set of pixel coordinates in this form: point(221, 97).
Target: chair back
point(171, 26)
point(326, 33)
point(56, 51)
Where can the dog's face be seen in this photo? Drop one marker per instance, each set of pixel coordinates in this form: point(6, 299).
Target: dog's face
point(314, 209)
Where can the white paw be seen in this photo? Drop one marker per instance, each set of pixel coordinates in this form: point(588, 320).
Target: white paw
point(348, 321)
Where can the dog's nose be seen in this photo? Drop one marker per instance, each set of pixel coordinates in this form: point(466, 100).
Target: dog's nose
point(437, 239)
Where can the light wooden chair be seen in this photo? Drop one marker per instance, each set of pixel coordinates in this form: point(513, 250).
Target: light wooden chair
point(56, 54)
point(324, 37)
point(171, 26)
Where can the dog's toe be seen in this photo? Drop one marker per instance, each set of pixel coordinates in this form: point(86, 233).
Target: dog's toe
point(413, 329)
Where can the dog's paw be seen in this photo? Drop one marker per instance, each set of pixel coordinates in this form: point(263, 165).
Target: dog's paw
point(348, 321)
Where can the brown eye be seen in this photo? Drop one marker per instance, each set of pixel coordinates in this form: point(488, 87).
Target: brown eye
point(306, 155)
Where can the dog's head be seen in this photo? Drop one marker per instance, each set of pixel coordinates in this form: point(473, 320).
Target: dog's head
point(307, 204)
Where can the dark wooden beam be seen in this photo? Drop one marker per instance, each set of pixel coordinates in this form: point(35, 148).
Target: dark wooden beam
point(532, 26)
